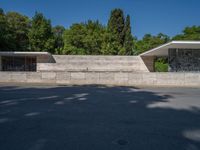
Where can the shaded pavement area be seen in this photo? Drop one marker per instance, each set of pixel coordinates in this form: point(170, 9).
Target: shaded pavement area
point(99, 118)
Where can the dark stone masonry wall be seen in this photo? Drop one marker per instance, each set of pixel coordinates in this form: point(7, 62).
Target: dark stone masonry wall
point(184, 60)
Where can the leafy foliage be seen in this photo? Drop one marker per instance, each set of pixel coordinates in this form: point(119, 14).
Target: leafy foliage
point(19, 26)
point(20, 33)
point(40, 35)
point(4, 32)
point(58, 32)
point(73, 40)
point(110, 45)
point(84, 38)
point(161, 65)
point(13, 32)
point(119, 30)
point(148, 42)
point(116, 25)
point(128, 39)
point(189, 33)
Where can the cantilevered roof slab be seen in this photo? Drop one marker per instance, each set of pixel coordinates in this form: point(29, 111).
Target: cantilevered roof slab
point(163, 49)
point(12, 53)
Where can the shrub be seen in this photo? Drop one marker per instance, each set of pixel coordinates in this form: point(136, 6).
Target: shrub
point(161, 65)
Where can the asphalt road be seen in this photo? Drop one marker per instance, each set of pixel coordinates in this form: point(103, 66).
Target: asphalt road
point(99, 118)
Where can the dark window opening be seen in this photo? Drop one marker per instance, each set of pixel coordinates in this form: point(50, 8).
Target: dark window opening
point(18, 63)
point(184, 60)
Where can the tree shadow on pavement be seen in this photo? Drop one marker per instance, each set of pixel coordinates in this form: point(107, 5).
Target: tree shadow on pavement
point(96, 118)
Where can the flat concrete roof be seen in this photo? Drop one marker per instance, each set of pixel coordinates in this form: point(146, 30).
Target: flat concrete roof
point(163, 49)
point(11, 53)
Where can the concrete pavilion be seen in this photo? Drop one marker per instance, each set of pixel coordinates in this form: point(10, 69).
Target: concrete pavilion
point(22, 61)
point(183, 56)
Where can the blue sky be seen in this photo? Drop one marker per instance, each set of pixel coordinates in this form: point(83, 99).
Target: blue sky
point(147, 16)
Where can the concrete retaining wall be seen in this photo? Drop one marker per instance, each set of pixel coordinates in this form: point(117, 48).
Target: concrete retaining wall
point(110, 70)
point(108, 78)
point(93, 63)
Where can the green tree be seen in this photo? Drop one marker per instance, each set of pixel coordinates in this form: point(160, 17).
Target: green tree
point(110, 46)
point(116, 25)
point(6, 38)
point(128, 39)
point(41, 36)
point(189, 33)
point(18, 26)
point(58, 32)
point(1, 11)
point(84, 38)
point(73, 40)
point(3, 31)
point(161, 64)
point(94, 37)
point(148, 42)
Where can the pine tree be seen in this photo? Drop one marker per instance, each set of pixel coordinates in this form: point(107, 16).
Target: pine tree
point(58, 32)
point(116, 25)
point(128, 39)
point(1, 11)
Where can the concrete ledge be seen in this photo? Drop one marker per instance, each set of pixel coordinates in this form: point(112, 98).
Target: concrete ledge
point(78, 76)
point(107, 78)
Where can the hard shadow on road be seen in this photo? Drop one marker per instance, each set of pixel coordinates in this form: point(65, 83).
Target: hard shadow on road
point(96, 118)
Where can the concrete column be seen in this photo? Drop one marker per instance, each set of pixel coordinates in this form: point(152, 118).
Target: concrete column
point(149, 61)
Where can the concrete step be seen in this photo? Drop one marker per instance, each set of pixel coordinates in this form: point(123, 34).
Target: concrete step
point(68, 67)
point(93, 63)
point(99, 63)
point(64, 58)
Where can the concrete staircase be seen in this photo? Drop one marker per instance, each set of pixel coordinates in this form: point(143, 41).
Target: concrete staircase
point(70, 63)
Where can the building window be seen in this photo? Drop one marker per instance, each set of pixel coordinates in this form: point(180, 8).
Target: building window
point(184, 60)
point(18, 63)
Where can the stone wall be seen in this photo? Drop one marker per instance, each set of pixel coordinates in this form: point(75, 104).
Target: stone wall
point(106, 70)
point(93, 63)
point(105, 78)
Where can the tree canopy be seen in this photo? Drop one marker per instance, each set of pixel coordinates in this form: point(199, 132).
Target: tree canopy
point(84, 38)
point(128, 38)
point(18, 26)
point(189, 33)
point(4, 32)
point(21, 33)
point(41, 35)
point(149, 41)
point(116, 25)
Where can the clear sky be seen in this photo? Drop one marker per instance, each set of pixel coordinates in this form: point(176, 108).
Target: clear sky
point(147, 16)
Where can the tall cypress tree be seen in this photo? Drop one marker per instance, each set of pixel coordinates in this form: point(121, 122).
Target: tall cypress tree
point(116, 25)
point(1, 11)
point(58, 32)
point(128, 39)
